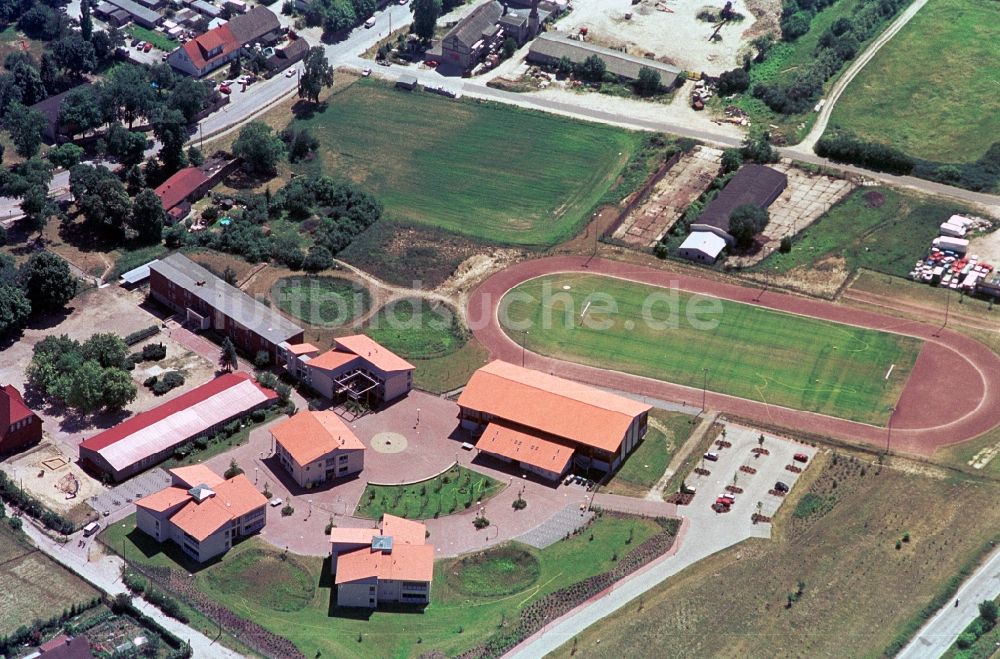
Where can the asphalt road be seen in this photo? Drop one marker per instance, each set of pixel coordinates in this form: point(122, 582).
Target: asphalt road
point(935, 637)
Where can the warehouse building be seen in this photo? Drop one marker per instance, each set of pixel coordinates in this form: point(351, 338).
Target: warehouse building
point(753, 184)
point(546, 424)
point(392, 564)
point(315, 447)
point(550, 47)
point(207, 302)
point(149, 438)
point(201, 512)
point(357, 368)
point(702, 246)
point(140, 15)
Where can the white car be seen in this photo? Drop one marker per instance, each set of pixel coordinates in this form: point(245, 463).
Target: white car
point(289, 73)
point(366, 72)
point(275, 502)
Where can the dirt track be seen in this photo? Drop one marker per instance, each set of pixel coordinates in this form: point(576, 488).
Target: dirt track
point(928, 415)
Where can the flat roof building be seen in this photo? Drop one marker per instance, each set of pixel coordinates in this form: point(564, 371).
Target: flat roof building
point(148, 438)
point(315, 447)
point(702, 246)
point(201, 512)
point(207, 301)
point(540, 420)
point(141, 15)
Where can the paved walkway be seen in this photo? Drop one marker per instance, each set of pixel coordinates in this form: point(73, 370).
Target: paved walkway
point(104, 572)
point(557, 527)
point(935, 637)
point(633, 506)
point(926, 416)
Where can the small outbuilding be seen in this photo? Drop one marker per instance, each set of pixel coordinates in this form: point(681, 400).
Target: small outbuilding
point(702, 246)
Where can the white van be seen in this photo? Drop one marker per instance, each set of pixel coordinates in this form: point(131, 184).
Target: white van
point(91, 529)
point(370, 23)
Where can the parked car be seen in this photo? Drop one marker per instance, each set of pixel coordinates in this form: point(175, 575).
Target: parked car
point(148, 47)
point(781, 487)
point(139, 46)
point(431, 63)
point(720, 507)
point(289, 73)
point(225, 89)
point(800, 457)
point(367, 71)
point(712, 455)
point(275, 502)
point(135, 42)
point(727, 499)
point(370, 23)
point(91, 529)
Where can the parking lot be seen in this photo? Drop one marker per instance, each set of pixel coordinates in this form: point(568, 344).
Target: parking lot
point(756, 487)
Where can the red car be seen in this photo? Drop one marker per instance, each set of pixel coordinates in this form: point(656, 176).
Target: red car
point(800, 457)
point(148, 47)
point(224, 89)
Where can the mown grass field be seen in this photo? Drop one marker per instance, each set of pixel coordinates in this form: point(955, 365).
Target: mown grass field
point(443, 374)
point(34, 586)
point(859, 592)
point(876, 228)
point(418, 329)
point(453, 491)
point(741, 350)
point(666, 433)
point(453, 622)
point(322, 301)
point(493, 172)
point(934, 89)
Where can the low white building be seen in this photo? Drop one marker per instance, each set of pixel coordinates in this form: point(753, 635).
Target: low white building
point(702, 246)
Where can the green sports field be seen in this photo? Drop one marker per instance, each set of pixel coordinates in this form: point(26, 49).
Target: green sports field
point(753, 353)
point(495, 173)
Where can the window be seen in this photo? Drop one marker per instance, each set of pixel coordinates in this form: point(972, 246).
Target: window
point(343, 458)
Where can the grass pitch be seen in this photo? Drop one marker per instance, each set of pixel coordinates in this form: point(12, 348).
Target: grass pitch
point(750, 352)
point(492, 172)
point(417, 329)
point(934, 89)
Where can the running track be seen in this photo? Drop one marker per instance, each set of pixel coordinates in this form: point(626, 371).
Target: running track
point(953, 393)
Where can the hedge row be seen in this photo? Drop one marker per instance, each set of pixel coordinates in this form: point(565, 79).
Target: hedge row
point(13, 494)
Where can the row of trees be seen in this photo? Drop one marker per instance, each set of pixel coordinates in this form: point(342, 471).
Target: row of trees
point(86, 377)
point(881, 158)
point(43, 283)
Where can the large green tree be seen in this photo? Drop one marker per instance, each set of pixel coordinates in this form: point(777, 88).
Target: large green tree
point(107, 349)
point(74, 54)
point(745, 222)
point(148, 217)
point(259, 148)
point(37, 207)
point(170, 128)
point(14, 308)
point(228, 359)
point(86, 22)
point(25, 126)
point(425, 16)
point(47, 281)
point(316, 74)
point(80, 110)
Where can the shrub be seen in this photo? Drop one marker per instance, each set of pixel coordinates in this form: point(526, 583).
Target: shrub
point(965, 640)
point(849, 149)
point(150, 381)
point(287, 511)
point(480, 522)
point(141, 335)
point(262, 359)
point(234, 471)
point(154, 352)
point(519, 503)
point(733, 81)
point(210, 214)
point(258, 415)
point(786, 245)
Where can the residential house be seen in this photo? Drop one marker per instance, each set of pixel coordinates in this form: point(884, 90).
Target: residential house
point(180, 190)
point(223, 44)
point(19, 426)
point(289, 54)
point(201, 512)
point(392, 564)
point(315, 447)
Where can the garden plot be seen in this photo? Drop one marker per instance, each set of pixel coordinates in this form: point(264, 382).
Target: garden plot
point(670, 197)
point(806, 199)
point(668, 29)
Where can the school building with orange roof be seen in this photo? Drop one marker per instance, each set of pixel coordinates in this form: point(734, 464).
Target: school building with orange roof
point(546, 424)
point(391, 564)
point(356, 368)
point(202, 512)
point(314, 447)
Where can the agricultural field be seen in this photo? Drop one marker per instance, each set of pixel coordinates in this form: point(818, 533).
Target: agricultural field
point(743, 350)
point(490, 172)
point(34, 586)
point(858, 571)
point(932, 91)
point(466, 607)
point(416, 328)
point(666, 433)
point(453, 491)
point(877, 228)
point(322, 301)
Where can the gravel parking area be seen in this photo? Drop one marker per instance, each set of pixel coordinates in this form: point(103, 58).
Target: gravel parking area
point(125, 494)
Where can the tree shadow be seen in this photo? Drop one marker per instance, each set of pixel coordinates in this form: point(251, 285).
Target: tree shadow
point(304, 109)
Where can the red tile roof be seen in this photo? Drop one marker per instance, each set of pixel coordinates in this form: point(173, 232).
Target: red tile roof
point(380, 357)
point(64, 647)
point(178, 187)
point(403, 563)
point(308, 436)
point(164, 500)
point(331, 360)
point(302, 348)
point(194, 475)
point(526, 448)
point(552, 405)
point(12, 407)
point(404, 531)
point(233, 499)
point(182, 402)
point(198, 49)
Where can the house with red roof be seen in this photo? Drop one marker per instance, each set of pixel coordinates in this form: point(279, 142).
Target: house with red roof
point(19, 426)
point(201, 512)
point(223, 44)
point(149, 438)
point(546, 424)
point(391, 564)
point(179, 191)
point(356, 367)
point(315, 447)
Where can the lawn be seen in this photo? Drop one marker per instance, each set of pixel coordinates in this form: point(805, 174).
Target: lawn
point(643, 468)
point(738, 349)
point(503, 570)
point(34, 586)
point(418, 329)
point(489, 171)
point(453, 622)
point(859, 592)
point(322, 301)
point(158, 39)
point(934, 89)
point(443, 374)
point(876, 228)
point(276, 581)
point(453, 491)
